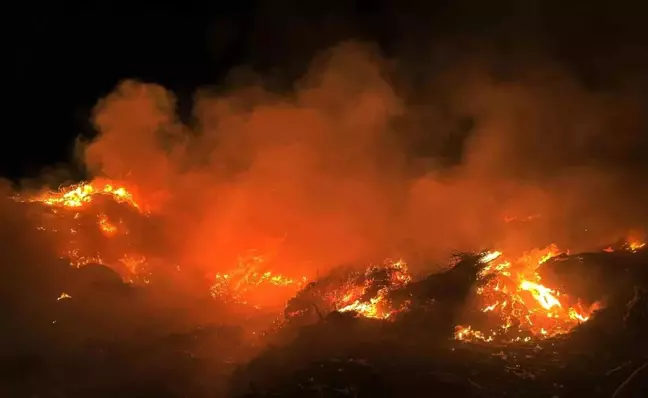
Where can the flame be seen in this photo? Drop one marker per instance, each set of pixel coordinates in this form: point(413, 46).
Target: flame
point(634, 245)
point(70, 206)
point(375, 305)
point(63, 296)
point(511, 292)
point(247, 285)
point(524, 308)
point(106, 226)
point(77, 196)
point(136, 266)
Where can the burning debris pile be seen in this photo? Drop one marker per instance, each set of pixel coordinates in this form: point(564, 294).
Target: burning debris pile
point(489, 325)
point(247, 284)
point(404, 354)
point(93, 223)
point(512, 291)
point(347, 290)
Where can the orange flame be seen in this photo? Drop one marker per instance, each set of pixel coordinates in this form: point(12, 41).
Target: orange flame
point(524, 307)
point(74, 201)
point(376, 306)
point(512, 291)
point(247, 285)
point(76, 196)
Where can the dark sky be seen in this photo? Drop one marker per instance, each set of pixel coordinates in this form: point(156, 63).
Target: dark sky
point(64, 57)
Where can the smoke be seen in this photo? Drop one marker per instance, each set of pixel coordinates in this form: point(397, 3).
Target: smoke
point(335, 171)
point(541, 144)
point(367, 156)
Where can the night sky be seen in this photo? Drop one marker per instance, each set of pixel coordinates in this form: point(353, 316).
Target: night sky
point(63, 57)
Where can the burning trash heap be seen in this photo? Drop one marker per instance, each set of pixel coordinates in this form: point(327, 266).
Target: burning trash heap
point(488, 325)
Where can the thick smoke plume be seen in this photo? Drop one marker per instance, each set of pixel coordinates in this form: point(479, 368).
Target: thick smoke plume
point(325, 174)
point(354, 164)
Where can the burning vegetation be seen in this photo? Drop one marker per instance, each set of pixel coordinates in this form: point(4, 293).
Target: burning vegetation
point(510, 292)
point(290, 246)
point(492, 298)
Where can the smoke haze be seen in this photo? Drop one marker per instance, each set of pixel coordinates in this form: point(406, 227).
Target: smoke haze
point(414, 151)
point(325, 174)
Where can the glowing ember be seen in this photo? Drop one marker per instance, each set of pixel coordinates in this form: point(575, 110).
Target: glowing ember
point(106, 226)
point(135, 265)
point(77, 260)
point(522, 306)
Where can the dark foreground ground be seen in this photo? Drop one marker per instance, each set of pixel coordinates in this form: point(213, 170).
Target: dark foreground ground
point(112, 350)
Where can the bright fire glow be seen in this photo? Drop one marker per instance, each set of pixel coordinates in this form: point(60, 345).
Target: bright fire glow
point(523, 308)
point(518, 305)
point(68, 206)
point(77, 196)
point(250, 284)
point(377, 305)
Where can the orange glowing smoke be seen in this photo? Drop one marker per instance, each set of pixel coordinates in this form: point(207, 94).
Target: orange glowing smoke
point(522, 306)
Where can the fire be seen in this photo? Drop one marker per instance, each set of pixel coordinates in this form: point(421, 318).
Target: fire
point(63, 296)
point(511, 293)
point(106, 226)
point(634, 245)
point(135, 264)
point(77, 196)
point(543, 295)
point(375, 305)
point(246, 284)
point(524, 308)
point(634, 242)
point(243, 284)
point(70, 208)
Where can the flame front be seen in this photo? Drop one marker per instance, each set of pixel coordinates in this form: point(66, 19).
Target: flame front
point(76, 196)
point(523, 307)
point(511, 294)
